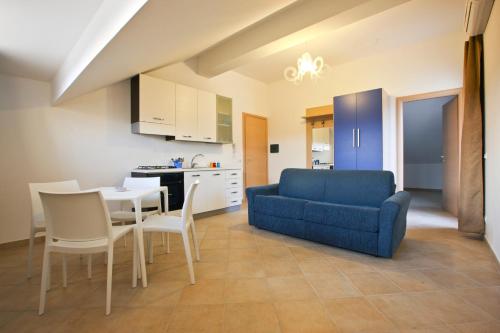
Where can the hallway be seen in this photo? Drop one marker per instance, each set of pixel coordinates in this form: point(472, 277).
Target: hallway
point(426, 211)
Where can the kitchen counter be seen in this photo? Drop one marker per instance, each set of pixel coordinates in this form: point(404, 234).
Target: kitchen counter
point(182, 170)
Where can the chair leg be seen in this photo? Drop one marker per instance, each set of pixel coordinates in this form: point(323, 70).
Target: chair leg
point(189, 259)
point(109, 279)
point(124, 237)
point(49, 269)
point(150, 247)
point(163, 240)
point(195, 241)
point(89, 266)
point(43, 285)
point(30, 253)
point(134, 260)
point(64, 271)
point(168, 242)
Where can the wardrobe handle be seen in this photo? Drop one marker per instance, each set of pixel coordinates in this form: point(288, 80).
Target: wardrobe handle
point(353, 138)
point(358, 137)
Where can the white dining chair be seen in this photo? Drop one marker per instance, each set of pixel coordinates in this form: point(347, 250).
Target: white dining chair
point(177, 224)
point(152, 202)
point(79, 223)
point(37, 215)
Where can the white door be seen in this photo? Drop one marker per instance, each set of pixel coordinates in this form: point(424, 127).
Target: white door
point(186, 125)
point(207, 130)
point(157, 100)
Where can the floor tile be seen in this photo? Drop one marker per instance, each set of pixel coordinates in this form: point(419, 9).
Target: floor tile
point(281, 267)
point(304, 317)
point(203, 292)
point(245, 269)
point(478, 327)
point(332, 286)
point(246, 290)
point(251, 318)
point(290, 288)
point(357, 315)
point(373, 283)
point(197, 318)
point(411, 280)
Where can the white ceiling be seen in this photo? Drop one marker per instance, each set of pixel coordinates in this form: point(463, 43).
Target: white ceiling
point(36, 35)
point(407, 23)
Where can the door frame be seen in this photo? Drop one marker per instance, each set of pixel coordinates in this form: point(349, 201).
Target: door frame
point(244, 116)
point(399, 126)
point(322, 114)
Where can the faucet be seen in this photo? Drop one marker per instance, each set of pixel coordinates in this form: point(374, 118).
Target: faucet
point(193, 164)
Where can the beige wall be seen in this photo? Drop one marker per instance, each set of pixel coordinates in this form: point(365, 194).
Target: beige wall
point(492, 99)
point(89, 138)
point(429, 66)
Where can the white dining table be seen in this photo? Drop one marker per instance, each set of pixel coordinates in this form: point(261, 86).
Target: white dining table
point(135, 196)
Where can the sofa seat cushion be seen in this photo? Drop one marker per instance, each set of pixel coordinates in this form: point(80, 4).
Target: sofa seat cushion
point(342, 216)
point(280, 206)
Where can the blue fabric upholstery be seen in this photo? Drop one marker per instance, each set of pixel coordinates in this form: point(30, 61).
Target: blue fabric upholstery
point(343, 216)
point(276, 205)
point(357, 210)
point(252, 192)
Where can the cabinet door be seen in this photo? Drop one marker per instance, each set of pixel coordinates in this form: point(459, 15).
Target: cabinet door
point(156, 101)
point(198, 199)
point(207, 130)
point(344, 122)
point(186, 125)
point(215, 194)
point(369, 130)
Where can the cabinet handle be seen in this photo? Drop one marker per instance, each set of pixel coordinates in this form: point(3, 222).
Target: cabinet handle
point(353, 138)
point(234, 201)
point(195, 175)
point(186, 136)
point(234, 174)
point(157, 118)
point(358, 138)
point(234, 192)
point(234, 183)
point(207, 138)
point(216, 174)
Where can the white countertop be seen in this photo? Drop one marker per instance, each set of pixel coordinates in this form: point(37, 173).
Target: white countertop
point(182, 170)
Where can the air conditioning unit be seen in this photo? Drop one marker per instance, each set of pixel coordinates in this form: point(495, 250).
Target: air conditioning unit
point(477, 13)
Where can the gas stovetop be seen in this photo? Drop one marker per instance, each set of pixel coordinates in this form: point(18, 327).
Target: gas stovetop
point(155, 167)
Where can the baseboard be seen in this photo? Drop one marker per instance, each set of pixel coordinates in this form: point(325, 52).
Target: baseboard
point(497, 256)
point(423, 189)
point(21, 242)
point(217, 212)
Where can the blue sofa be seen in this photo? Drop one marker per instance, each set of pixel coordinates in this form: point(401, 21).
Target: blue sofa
point(356, 210)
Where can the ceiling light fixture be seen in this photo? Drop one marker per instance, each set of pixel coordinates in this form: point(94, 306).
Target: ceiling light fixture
point(305, 64)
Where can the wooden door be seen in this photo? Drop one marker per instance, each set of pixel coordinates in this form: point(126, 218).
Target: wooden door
point(450, 156)
point(344, 133)
point(255, 150)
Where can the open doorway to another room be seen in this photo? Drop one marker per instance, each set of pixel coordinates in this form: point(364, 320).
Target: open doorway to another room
point(429, 155)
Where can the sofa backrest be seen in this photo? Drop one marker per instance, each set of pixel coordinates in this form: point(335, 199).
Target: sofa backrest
point(348, 187)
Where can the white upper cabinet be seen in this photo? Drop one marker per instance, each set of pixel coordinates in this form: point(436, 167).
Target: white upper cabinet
point(207, 129)
point(186, 109)
point(153, 105)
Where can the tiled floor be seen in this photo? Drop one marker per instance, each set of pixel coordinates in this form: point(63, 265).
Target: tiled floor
point(250, 280)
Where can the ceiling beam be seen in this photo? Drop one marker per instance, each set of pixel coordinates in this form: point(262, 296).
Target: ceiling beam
point(291, 26)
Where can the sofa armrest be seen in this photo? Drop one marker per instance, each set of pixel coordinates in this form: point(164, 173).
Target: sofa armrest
point(392, 223)
point(252, 192)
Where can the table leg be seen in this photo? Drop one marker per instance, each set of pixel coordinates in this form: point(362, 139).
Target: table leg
point(140, 241)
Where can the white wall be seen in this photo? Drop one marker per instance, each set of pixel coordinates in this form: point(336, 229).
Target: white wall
point(492, 107)
point(428, 66)
point(89, 138)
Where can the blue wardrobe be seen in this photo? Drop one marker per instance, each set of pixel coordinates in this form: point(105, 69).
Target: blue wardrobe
point(357, 131)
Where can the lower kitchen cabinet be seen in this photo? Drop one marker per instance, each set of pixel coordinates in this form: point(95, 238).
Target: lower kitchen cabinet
point(218, 189)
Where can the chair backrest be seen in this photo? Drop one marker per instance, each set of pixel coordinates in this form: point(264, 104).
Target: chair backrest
point(187, 207)
point(140, 183)
point(37, 216)
point(76, 216)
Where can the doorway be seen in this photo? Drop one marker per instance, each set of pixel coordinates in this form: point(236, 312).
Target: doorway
point(429, 154)
point(255, 163)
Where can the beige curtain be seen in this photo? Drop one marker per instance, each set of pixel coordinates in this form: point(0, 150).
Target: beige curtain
point(471, 203)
